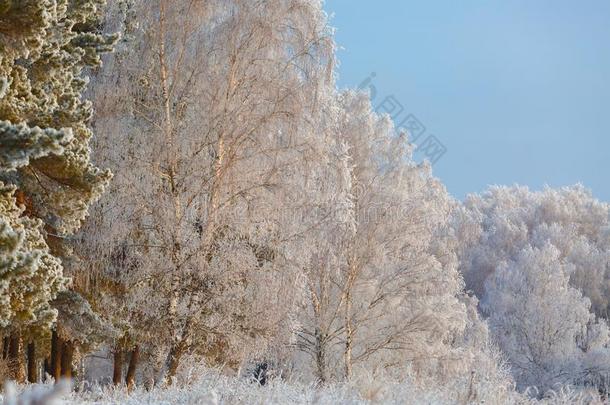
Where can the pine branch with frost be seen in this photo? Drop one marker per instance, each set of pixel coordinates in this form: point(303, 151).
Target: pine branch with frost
point(20, 143)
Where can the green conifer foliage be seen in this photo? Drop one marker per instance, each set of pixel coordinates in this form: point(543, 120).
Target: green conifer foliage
point(47, 181)
point(29, 275)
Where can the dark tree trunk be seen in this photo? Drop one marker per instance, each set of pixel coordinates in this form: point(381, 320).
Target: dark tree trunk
point(47, 365)
point(33, 374)
point(5, 345)
point(117, 372)
point(130, 379)
point(56, 346)
point(67, 354)
point(17, 358)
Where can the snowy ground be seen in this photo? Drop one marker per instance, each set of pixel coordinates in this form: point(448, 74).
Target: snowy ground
point(213, 388)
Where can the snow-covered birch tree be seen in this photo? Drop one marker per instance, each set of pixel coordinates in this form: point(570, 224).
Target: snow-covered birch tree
point(384, 293)
point(201, 134)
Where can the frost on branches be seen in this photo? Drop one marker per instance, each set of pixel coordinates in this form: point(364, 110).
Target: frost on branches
point(209, 126)
point(256, 210)
point(539, 263)
point(262, 222)
point(382, 286)
point(29, 275)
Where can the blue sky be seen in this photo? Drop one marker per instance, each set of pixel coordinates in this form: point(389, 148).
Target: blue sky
point(517, 91)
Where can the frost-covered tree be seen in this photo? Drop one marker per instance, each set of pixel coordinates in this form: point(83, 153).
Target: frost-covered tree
point(542, 323)
point(46, 178)
point(323, 213)
point(539, 262)
point(45, 133)
point(384, 290)
point(211, 97)
point(500, 223)
point(29, 278)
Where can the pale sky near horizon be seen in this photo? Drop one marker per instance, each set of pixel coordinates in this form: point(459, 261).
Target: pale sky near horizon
point(517, 91)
